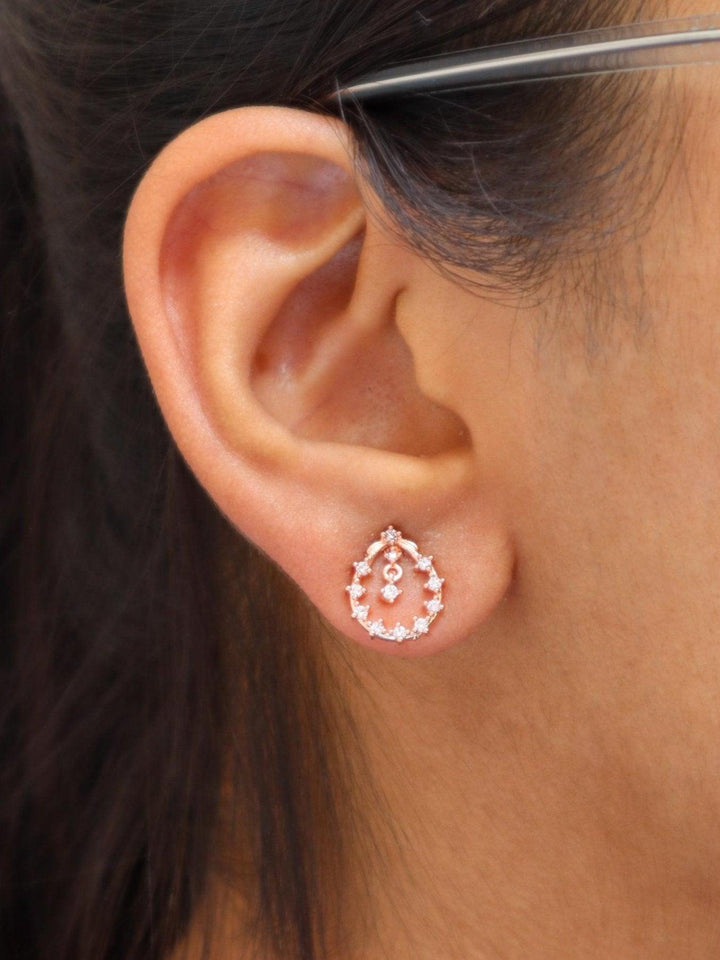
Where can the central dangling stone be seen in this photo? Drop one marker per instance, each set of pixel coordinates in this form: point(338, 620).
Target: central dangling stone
point(392, 572)
point(390, 593)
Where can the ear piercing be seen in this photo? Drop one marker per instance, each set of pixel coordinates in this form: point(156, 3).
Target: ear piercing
point(393, 545)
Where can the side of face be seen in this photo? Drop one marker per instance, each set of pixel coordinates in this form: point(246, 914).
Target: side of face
point(557, 453)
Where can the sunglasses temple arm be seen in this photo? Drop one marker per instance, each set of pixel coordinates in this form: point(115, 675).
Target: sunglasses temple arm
point(611, 50)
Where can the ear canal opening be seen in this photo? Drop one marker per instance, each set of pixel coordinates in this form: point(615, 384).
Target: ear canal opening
point(327, 375)
point(375, 401)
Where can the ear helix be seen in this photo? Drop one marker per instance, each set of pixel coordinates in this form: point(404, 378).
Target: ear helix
point(393, 546)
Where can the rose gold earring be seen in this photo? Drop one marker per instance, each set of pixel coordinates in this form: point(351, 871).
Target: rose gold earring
point(394, 545)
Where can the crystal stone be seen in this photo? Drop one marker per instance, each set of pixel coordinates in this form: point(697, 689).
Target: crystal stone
point(434, 583)
point(356, 590)
point(390, 592)
point(362, 568)
point(422, 624)
point(393, 554)
point(424, 564)
point(360, 613)
point(434, 605)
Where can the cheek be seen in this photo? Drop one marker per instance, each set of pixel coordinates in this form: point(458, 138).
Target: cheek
point(622, 425)
point(620, 485)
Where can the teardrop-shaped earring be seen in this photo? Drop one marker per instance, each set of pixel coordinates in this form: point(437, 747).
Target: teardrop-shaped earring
point(394, 545)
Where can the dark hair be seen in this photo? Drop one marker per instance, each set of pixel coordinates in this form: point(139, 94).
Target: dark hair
point(161, 690)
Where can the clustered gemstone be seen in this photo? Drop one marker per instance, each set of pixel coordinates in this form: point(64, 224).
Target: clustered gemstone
point(390, 592)
point(434, 583)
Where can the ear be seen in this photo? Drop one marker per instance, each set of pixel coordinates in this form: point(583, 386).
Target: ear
point(264, 288)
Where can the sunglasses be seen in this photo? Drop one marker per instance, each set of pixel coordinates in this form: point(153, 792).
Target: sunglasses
point(635, 46)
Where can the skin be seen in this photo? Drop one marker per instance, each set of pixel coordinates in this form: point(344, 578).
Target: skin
point(549, 753)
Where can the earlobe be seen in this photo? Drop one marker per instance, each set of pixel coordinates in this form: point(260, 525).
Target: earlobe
point(264, 300)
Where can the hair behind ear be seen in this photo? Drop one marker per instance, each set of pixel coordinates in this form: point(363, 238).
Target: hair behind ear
point(131, 657)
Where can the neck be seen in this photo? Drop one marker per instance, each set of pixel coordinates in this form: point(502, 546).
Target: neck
point(537, 804)
point(530, 795)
